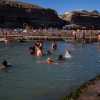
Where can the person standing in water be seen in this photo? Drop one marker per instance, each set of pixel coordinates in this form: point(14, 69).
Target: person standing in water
point(39, 52)
point(54, 45)
point(67, 54)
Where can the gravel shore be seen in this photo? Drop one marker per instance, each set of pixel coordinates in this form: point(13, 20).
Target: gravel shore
point(88, 91)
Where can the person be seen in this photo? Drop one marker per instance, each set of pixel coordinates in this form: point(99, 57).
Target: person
point(61, 58)
point(39, 49)
point(54, 45)
point(50, 61)
point(39, 52)
point(4, 64)
point(67, 54)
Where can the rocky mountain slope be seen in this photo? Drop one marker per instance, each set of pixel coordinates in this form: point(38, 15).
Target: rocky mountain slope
point(83, 18)
point(19, 14)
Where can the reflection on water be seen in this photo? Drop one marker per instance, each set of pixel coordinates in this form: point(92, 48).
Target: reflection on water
point(29, 80)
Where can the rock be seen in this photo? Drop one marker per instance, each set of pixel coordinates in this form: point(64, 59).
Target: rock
point(83, 18)
point(19, 14)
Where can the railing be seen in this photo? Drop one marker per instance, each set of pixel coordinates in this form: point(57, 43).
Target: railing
point(55, 34)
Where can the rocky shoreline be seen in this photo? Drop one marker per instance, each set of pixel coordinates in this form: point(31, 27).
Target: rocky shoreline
point(88, 91)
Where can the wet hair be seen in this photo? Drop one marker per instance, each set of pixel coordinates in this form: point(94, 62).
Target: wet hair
point(60, 57)
point(5, 63)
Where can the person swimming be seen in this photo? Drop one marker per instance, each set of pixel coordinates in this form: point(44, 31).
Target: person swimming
point(4, 65)
point(39, 52)
point(50, 61)
point(61, 58)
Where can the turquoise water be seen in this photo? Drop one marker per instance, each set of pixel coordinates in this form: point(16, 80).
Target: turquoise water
point(30, 80)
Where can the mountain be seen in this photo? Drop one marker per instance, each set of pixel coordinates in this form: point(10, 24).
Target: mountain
point(88, 19)
point(16, 3)
point(14, 13)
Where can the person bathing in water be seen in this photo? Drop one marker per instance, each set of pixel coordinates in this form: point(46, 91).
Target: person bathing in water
point(4, 65)
point(37, 49)
point(39, 52)
point(67, 54)
point(61, 58)
point(48, 52)
point(54, 46)
point(50, 61)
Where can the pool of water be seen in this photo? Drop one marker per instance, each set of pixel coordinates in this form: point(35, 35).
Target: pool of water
point(30, 80)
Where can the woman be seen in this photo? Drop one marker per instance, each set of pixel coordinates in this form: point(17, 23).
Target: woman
point(39, 52)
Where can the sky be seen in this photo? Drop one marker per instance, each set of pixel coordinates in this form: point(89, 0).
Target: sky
point(62, 6)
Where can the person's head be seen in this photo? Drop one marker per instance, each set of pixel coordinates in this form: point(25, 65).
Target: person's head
point(5, 63)
point(49, 60)
point(60, 57)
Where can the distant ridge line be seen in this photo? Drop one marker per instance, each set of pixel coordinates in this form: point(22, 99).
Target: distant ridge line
point(19, 3)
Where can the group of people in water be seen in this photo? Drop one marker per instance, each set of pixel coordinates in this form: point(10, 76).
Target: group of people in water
point(38, 50)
